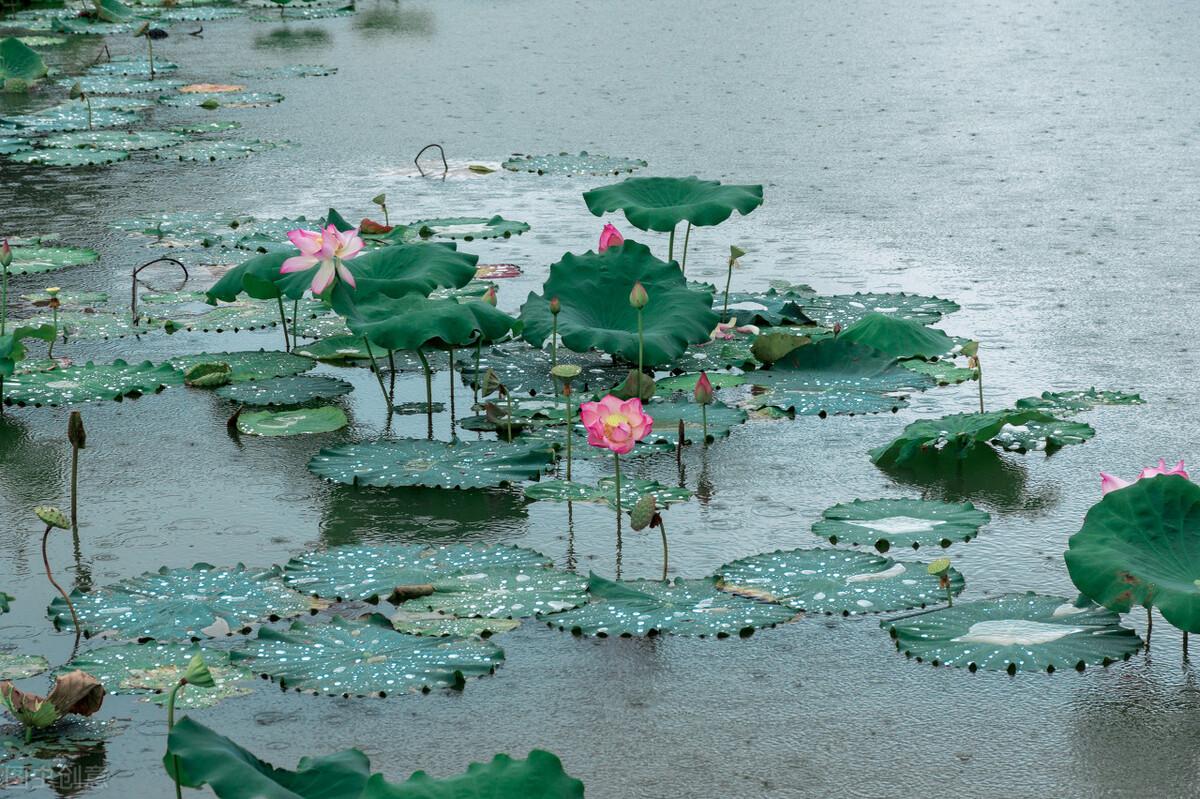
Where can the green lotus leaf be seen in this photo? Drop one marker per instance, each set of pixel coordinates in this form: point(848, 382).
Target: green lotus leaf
point(680, 607)
point(240, 315)
point(69, 298)
point(207, 375)
point(250, 365)
point(221, 99)
point(1042, 436)
point(414, 322)
point(512, 592)
point(1067, 402)
point(374, 572)
point(84, 325)
point(722, 419)
point(847, 309)
point(833, 402)
point(133, 65)
point(832, 364)
point(89, 383)
point(69, 116)
point(112, 11)
point(4, 600)
point(302, 421)
point(833, 581)
point(769, 308)
point(114, 140)
point(1015, 632)
point(289, 71)
point(121, 84)
point(11, 145)
point(632, 490)
point(364, 658)
point(596, 314)
point(152, 669)
point(220, 149)
point(687, 382)
point(526, 414)
point(957, 433)
point(12, 346)
point(943, 371)
point(898, 338)
point(464, 228)
point(720, 355)
point(567, 164)
point(340, 349)
point(662, 203)
point(1139, 547)
point(200, 128)
point(181, 604)
point(18, 667)
point(439, 625)
point(886, 523)
point(186, 228)
point(435, 464)
point(43, 41)
point(294, 390)
point(37, 259)
point(526, 372)
point(20, 61)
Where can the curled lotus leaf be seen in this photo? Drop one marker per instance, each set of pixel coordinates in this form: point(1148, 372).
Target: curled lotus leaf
point(886, 523)
point(152, 669)
point(19, 61)
point(680, 607)
point(181, 604)
point(17, 667)
point(512, 592)
point(770, 308)
point(4, 600)
point(414, 322)
point(89, 383)
point(375, 572)
point(439, 625)
point(1015, 632)
point(435, 464)
point(250, 364)
point(943, 371)
point(367, 657)
point(899, 338)
point(293, 390)
point(302, 421)
point(38, 258)
point(1037, 436)
point(464, 228)
point(834, 581)
point(847, 309)
point(1140, 546)
point(662, 203)
point(583, 163)
point(596, 314)
point(955, 434)
point(632, 490)
point(1068, 402)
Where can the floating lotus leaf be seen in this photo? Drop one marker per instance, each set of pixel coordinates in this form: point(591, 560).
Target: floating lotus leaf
point(18, 667)
point(134, 65)
point(294, 390)
point(327, 325)
point(898, 338)
point(957, 433)
point(596, 314)
point(42, 41)
point(1039, 436)
point(19, 61)
point(196, 15)
point(113, 11)
point(722, 419)
point(222, 99)
point(526, 372)
point(435, 464)
point(200, 128)
point(680, 607)
point(886, 523)
point(414, 322)
point(36, 258)
point(580, 449)
point(121, 84)
point(178, 604)
point(302, 421)
point(662, 203)
point(114, 139)
point(1015, 632)
point(152, 669)
point(316, 12)
point(605, 491)
point(289, 71)
point(89, 383)
point(186, 228)
point(837, 364)
point(202, 757)
point(464, 228)
point(11, 145)
point(69, 116)
point(220, 149)
point(526, 414)
point(374, 572)
point(1067, 402)
point(687, 382)
point(1140, 546)
point(70, 298)
point(718, 354)
point(55, 157)
point(512, 592)
point(832, 402)
point(242, 315)
point(439, 625)
point(943, 371)
point(364, 658)
point(833, 581)
point(338, 349)
point(568, 164)
point(250, 365)
point(769, 308)
point(84, 325)
point(847, 309)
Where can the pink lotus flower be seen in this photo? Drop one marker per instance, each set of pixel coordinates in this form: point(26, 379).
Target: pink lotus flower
point(725, 330)
point(329, 248)
point(614, 424)
point(610, 237)
point(703, 392)
point(1110, 483)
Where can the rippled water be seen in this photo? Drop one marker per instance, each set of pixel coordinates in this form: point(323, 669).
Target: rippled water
point(1034, 162)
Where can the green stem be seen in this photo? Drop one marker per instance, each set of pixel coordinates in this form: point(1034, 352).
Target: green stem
point(66, 597)
point(50, 349)
point(170, 726)
point(508, 402)
point(617, 470)
point(387, 400)
point(704, 420)
point(641, 348)
point(392, 376)
point(728, 280)
point(295, 319)
point(428, 389)
point(150, 48)
point(452, 380)
point(3, 300)
point(949, 595)
point(386, 221)
point(287, 345)
point(671, 247)
point(570, 428)
point(979, 374)
point(74, 488)
point(554, 341)
point(475, 382)
point(88, 100)
point(662, 528)
point(687, 235)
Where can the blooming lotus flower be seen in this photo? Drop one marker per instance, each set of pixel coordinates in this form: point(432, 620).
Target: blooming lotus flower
point(615, 424)
point(610, 237)
point(329, 248)
point(725, 330)
point(1110, 483)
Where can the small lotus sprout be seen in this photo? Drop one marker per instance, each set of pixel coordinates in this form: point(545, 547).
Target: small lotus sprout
point(53, 517)
point(941, 568)
point(492, 385)
point(381, 200)
point(197, 674)
point(971, 350)
point(703, 394)
point(734, 254)
point(645, 514)
point(566, 373)
point(77, 93)
point(616, 425)
point(53, 304)
point(78, 438)
point(555, 310)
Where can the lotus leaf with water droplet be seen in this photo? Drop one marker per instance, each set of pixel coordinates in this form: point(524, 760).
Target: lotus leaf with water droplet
point(886, 523)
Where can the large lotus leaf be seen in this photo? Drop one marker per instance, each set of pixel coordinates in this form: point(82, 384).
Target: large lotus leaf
point(687, 382)
point(152, 669)
point(526, 372)
point(220, 149)
point(303, 421)
point(70, 298)
point(957, 433)
point(1039, 436)
point(580, 449)
point(662, 203)
point(82, 157)
point(513, 592)
point(835, 581)
point(770, 308)
point(373, 572)
point(241, 315)
point(679, 607)
point(1140, 546)
point(435, 464)
point(18, 667)
point(89, 383)
point(605, 491)
point(250, 365)
point(540, 776)
point(114, 139)
point(364, 658)
point(185, 228)
point(846, 309)
point(180, 604)
point(667, 415)
point(70, 116)
point(135, 65)
point(413, 322)
point(466, 228)
point(837, 364)
point(196, 14)
point(19, 61)
point(1067, 402)
point(37, 258)
point(294, 390)
point(831, 402)
point(439, 625)
point(1015, 632)
point(887, 523)
point(943, 371)
point(567, 164)
point(121, 84)
point(899, 338)
point(596, 314)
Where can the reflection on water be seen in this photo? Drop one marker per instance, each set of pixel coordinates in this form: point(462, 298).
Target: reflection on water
point(354, 515)
point(286, 38)
point(983, 475)
point(391, 19)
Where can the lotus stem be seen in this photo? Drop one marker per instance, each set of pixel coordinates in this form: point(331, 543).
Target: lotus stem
point(617, 471)
point(387, 400)
point(704, 421)
point(287, 345)
point(428, 390)
point(1185, 643)
point(662, 528)
point(66, 597)
point(50, 349)
point(392, 375)
point(570, 426)
point(671, 246)
point(88, 100)
point(944, 579)
point(295, 319)
point(508, 403)
point(554, 340)
point(1149, 626)
point(475, 381)
point(170, 726)
point(452, 376)
point(687, 235)
point(728, 280)
point(3, 299)
point(150, 50)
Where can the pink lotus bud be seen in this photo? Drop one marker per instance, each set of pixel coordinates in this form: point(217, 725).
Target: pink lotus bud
point(638, 298)
point(555, 306)
point(837, 328)
point(489, 296)
point(610, 237)
point(5, 254)
point(704, 390)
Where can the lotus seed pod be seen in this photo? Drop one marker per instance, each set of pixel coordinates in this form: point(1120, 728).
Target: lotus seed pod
point(971, 348)
point(380, 199)
point(643, 512)
point(566, 371)
point(76, 91)
point(638, 297)
point(52, 516)
point(75, 432)
point(939, 566)
point(734, 254)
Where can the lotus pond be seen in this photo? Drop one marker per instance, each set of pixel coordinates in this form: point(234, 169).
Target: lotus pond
point(899, 203)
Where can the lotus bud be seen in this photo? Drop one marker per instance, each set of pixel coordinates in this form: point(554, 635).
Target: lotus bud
point(837, 329)
point(638, 298)
point(76, 90)
point(555, 306)
point(5, 254)
point(75, 432)
point(489, 296)
point(704, 390)
point(643, 512)
point(610, 237)
point(198, 674)
point(52, 517)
